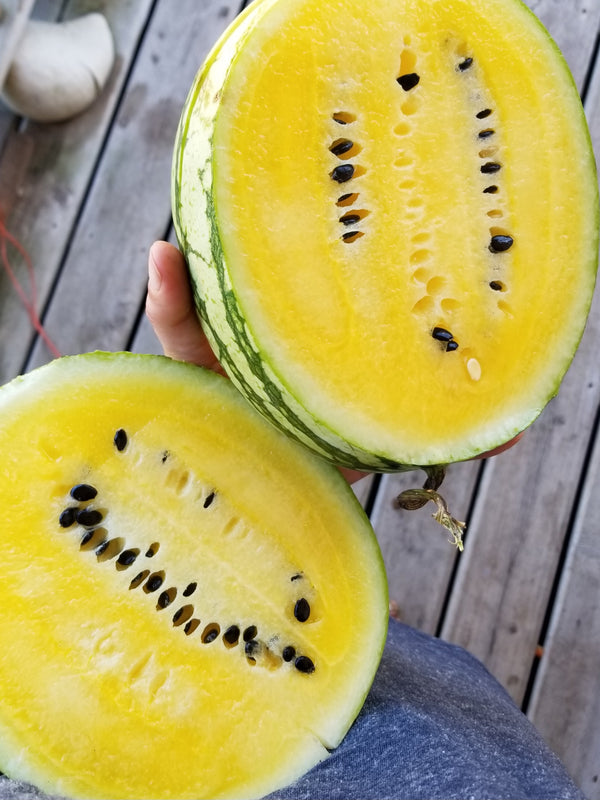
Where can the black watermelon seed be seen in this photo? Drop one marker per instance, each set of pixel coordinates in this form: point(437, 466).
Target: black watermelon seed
point(499, 244)
point(154, 582)
point(496, 286)
point(177, 614)
point(189, 589)
point(250, 633)
point(483, 113)
point(342, 173)
point(408, 81)
point(101, 547)
point(485, 134)
point(465, 64)
point(83, 492)
point(441, 334)
point(490, 189)
point(296, 577)
point(68, 517)
point(490, 167)
point(232, 634)
point(452, 345)
point(120, 440)
point(250, 648)
point(342, 198)
point(209, 500)
point(152, 550)
point(190, 626)
point(88, 517)
point(350, 236)
point(138, 579)
point(127, 557)
point(341, 147)
point(350, 219)
point(304, 664)
point(86, 538)
point(288, 653)
point(210, 636)
point(302, 609)
point(164, 599)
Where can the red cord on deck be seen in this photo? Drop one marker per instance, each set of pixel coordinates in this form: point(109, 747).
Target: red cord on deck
point(28, 303)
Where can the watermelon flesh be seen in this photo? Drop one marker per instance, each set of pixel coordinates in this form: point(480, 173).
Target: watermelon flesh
point(393, 247)
point(194, 606)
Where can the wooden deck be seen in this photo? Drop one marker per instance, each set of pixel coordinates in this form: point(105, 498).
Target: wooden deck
point(87, 198)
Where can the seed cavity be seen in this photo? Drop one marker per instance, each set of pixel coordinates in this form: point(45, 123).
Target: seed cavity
point(120, 440)
point(490, 167)
point(342, 173)
point(93, 538)
point(351, 236)
point(68, 517)
point(500, 243)
point(304, 664)
point(89, 517)
point(341, 146)
point(302, 609)
point(191, 626)
point(210, 633)
point(347, 199)
point(250, 633)
point(152, 550)
point(343, 117)
point(231, 636)
point(110, 548)
point(166, 598)
point(182, 615)
point(154, 582)
point(139, 578)
point(288, 653)
point(83, 492)
point(127, 558)
point(441, 334)
point(408, 81)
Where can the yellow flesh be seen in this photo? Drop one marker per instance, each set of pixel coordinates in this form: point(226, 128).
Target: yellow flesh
point(348, 325)
point(100, 694)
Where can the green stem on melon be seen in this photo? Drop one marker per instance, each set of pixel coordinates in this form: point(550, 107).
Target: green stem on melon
point(412, 499)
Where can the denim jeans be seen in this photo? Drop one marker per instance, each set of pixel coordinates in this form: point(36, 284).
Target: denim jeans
point(436, 724)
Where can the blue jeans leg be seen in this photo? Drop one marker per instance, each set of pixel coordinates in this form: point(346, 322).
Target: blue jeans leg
point(436, 724)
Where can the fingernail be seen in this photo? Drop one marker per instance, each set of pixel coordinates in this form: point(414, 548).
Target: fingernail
point(154, 274)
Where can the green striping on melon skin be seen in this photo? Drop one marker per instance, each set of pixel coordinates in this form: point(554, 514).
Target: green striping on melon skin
point(145, 646)
point(221, 209)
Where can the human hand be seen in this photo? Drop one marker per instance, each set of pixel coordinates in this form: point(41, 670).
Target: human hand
point(171, 311)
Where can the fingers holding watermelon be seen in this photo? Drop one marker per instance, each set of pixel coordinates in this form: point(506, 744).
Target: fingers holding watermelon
point(171, 311)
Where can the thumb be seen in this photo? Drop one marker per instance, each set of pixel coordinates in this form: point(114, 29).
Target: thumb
point(171, 310)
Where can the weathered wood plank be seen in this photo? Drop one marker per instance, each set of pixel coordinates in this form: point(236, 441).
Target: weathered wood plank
point(43, 206)
point(103, 279)
point(565, 702)
point(418, 556)
point(565, 705)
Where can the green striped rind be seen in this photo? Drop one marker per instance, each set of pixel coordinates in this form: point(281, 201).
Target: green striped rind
point(197, 232)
